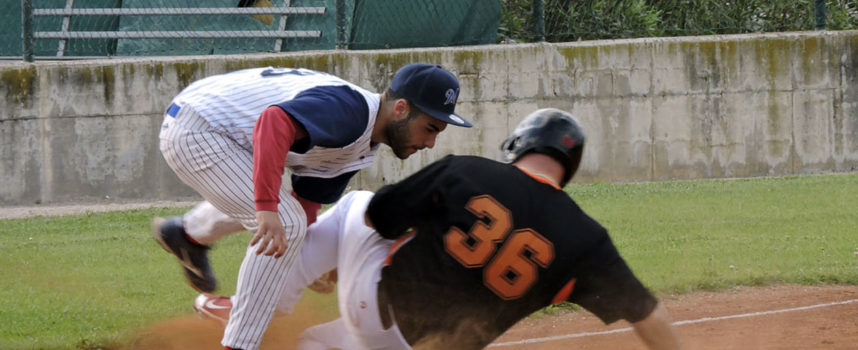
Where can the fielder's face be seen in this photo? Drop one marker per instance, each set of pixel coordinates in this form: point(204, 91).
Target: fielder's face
point(413, 133)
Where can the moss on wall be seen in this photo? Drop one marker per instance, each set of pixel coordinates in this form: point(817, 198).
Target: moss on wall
point(810, 52)
point(108, 83)
point(19, 84)
point(580, 57)
point(468, 61)
point(322, 63)
point(188, 72)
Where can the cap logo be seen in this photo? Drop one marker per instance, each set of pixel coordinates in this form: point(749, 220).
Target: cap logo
point(568, 141)
point(451, 96)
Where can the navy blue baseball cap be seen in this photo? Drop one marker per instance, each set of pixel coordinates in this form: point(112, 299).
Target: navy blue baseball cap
point(432, 89)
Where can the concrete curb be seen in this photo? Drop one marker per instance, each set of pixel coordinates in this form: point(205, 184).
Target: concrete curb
point(21, 212)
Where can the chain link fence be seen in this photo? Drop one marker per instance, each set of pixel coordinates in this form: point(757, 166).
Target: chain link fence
point(52, 29)
point(68, 28)
point(381, 24)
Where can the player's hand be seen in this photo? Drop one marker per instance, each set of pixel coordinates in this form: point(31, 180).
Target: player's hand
point(271, 235)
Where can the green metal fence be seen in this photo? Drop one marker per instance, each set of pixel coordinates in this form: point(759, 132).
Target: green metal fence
point(52, 29)
point(63, 28)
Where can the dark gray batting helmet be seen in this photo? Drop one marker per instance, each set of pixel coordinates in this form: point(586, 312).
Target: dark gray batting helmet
point(548, 131)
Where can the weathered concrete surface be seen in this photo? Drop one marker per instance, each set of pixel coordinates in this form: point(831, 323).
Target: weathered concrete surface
point(654, 109)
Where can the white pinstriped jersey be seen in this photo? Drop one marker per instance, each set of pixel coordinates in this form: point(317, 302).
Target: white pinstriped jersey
point(231, 103)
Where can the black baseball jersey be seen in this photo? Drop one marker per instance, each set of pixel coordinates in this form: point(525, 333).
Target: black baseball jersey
point(484, 244)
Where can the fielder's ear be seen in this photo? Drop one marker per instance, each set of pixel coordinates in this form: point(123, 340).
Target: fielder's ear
point(401, 108)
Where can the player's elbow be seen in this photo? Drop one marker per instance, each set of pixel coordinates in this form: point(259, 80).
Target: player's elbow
point(656, 330)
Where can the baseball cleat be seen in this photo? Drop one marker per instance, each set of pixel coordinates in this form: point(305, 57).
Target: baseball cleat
point(193, 257)
point(213, 307)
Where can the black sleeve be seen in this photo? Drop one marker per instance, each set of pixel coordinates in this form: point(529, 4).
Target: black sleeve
point(321, 190)
point(608, 288)
point(396, 208)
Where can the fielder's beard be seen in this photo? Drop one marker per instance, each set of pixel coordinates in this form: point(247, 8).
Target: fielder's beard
point(398, 137)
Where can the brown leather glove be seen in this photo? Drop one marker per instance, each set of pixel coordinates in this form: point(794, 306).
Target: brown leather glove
point(325, 284)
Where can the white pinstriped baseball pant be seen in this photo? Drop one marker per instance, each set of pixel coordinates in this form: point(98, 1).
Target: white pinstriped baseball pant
point(222, 172)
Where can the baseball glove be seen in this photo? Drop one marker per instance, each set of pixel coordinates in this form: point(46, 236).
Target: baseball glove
point(325, 284)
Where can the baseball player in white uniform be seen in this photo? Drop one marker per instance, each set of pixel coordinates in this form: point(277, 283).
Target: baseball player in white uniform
point(360, 252)
point(230, 137)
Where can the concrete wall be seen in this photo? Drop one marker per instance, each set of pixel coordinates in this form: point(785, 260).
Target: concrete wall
point(654, 109)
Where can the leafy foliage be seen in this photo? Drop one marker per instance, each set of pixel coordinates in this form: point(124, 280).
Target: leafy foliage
point(610, 19)
point(600, 19)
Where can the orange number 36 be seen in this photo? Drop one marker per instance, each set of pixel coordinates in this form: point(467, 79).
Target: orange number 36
point(513, 270)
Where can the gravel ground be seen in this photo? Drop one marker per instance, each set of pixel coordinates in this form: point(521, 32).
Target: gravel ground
point(71, 209)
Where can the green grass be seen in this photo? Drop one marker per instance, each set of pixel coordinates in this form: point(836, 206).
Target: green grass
point(690, 235)
point(89, 281)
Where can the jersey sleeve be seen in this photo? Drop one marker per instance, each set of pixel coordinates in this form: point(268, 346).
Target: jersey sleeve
point(396, 208)
point(334, 116)
point(608, 288)
point(321, 190)
point(273, 136)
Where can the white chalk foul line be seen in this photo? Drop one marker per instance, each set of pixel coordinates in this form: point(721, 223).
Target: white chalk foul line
point(678, 323)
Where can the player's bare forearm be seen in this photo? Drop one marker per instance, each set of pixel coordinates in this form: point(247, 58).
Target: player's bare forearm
point(657, 332)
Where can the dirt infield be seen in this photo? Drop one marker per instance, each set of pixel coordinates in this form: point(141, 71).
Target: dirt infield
point(773, 317)
point(742, 318)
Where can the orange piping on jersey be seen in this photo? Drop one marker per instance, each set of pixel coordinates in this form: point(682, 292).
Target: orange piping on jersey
point(396, 245)
point(541, 178)
point(564, 292)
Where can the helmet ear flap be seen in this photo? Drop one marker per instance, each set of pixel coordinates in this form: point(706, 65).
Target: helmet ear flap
point(508, 147)
point(510, 143)
point(573, 162)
